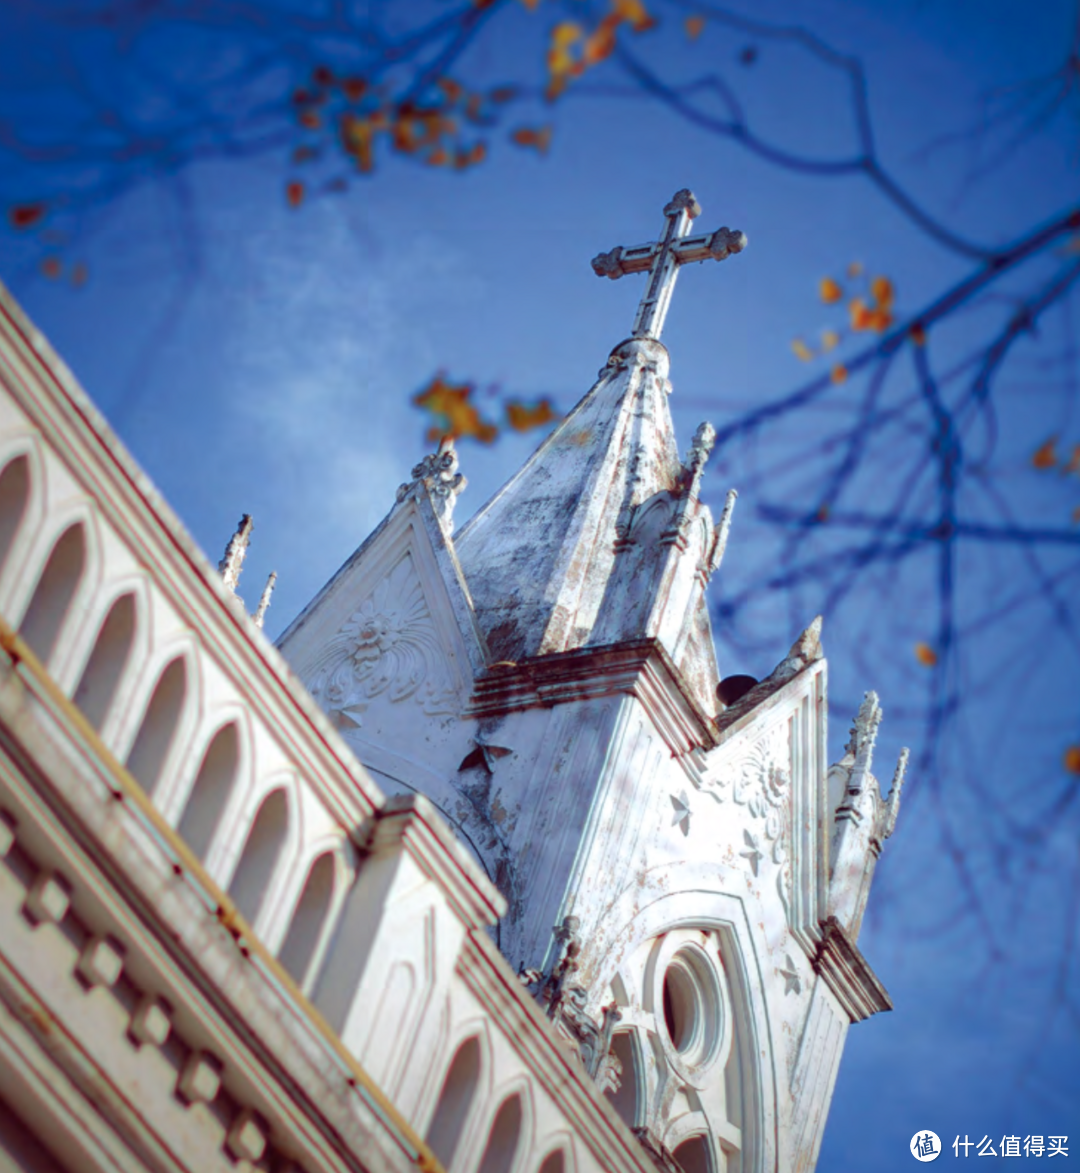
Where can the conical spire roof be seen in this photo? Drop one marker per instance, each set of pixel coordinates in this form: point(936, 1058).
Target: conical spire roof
point(538, 556)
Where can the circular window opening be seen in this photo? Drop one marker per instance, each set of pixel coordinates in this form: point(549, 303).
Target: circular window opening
point(681, 1006)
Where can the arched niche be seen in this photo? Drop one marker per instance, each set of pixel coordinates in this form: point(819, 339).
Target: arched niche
point(211, 790)
point(161, 720)
point(504, 1138)
point(54, 592)
point(309, 919)
point(259, 858)
point(96, 690)
point(455, 1101)
point(693, 1156)
point(554, 1163)
point(625, 1099)
point(14, 496)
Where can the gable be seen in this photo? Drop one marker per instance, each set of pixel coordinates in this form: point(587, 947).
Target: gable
point(391, 639)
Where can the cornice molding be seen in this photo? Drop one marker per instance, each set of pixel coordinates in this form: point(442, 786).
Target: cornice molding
point(641, 668)
point(848, 974)
point(410, 823)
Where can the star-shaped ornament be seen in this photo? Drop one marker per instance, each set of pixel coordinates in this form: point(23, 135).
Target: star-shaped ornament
point(753, 855)
point(681, 818)
point(483, 755)
point(349, 717)
point(792, 981)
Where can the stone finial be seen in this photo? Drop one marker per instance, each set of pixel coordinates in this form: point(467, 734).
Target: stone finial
point(860, 744)
point(235, 552)
point(892, 803)
point(700, 448)
point(804, 651)
point(264, 599)
point(721, 531)
point(438, 473)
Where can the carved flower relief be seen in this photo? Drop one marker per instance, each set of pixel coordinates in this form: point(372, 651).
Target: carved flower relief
point(388, 645)
point(760, 781)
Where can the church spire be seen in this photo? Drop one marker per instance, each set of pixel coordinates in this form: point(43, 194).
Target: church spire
point(601, 536)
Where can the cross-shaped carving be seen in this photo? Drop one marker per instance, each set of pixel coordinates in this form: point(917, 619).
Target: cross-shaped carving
point(662, 258)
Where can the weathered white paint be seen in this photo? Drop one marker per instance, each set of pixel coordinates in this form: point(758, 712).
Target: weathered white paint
point(677, 887)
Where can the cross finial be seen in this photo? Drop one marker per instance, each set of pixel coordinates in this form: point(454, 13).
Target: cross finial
point(662, 258)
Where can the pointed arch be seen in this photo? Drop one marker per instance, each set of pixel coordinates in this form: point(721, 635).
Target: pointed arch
point(97, 687)
point(504, 1139)
point(211, 791)
point(554, 1162)
point(693, 1155)
point(259, 858)
point(54, 592)
point(149, 754)
point(309, 920)
point(625, 1100)
point(14, 498)
point(455, 1101)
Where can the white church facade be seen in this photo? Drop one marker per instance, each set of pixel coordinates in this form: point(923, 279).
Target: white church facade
point(484, 868)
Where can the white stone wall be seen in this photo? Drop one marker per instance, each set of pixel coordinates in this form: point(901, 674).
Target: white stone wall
point(241, 860)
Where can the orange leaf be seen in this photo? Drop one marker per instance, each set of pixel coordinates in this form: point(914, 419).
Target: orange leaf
point(539, 137)
point(839, 373)
point(693, 26)
point(531, 4)
point(861, 316)
point(354, 88)
point(357, 137)
point(918, 334)
point(634, 13)
point(1072, 759)
point(802, 350)
point(830, 290)
point(452, 89)
point(879, 320)
point(1045, 456)
point(1074, 461)
point(294, 193)
point(563, 61)
point(23, 216)
point(925, 654)
point(312, 119)
point(455, 416)
point(322, 76)
point(523, 416)
point(600, 44)
point(830, 340)
point(438, 158)
point(882, 290)
point(51, 267)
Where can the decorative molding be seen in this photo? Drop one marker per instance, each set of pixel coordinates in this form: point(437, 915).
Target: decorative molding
point(388, 647)
point(848, 974)
point(640, 668)
point(411, 823)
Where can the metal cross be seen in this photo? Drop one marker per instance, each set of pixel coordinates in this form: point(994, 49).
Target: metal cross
point(662, 258)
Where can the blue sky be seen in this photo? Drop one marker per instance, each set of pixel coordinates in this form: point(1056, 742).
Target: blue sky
point(261, 358)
